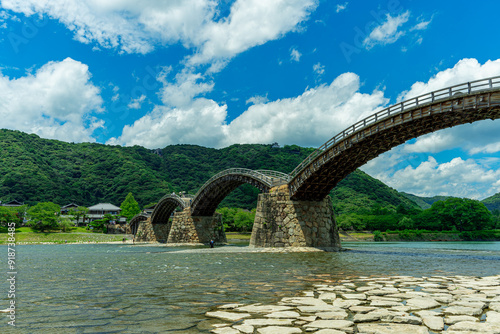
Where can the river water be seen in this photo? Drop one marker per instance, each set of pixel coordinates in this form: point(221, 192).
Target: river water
point(99, 288)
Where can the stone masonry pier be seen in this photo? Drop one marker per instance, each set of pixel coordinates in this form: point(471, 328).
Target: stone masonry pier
point(196, 229)
point(282, 222)
point(183, 228)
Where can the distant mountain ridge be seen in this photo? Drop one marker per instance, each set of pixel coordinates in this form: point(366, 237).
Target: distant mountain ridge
point(33, 169)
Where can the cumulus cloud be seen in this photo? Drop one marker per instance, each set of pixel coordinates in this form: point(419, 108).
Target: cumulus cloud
point(139, 26)
point(309, 119)
point(250, 23)
point(388, 32)
point(202, 123)
point(477, 137)
point(457, 177)
point(56, 102)
point(135, 103)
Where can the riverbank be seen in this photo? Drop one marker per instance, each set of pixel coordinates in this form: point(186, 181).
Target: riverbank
point(62, 238)
point(372, 305)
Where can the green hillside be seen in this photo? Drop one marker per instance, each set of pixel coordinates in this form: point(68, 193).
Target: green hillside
point(493, 202)
point(34, 169)
point(425, 202)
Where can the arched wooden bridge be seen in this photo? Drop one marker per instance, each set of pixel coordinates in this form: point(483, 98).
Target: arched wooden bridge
point(165, 207)
point(222, 184)
point(319, 173)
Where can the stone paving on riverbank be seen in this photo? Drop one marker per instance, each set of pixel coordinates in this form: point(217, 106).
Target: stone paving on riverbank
point(374, 305)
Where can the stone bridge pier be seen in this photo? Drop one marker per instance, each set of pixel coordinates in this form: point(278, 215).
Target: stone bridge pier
point(283, 222)
point(196, 229)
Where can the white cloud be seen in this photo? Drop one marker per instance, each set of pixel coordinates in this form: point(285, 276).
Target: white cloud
point(309, 119)
point(187, 86)
point(250, 23)
point(318, 69)
point(136, 103)
point(387, 33)
point(201, 123)
point(139, 26)
point(462, 178)
point(257, 100)
point(422, 25)
point(478, 137)
point(295, 55)
point(341, 7)
point(55, 102)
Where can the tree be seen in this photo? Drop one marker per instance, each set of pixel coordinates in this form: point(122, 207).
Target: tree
point(130, 207)
point(44, 216)
point(80, 212)
point(462, 213)
point(7, 216)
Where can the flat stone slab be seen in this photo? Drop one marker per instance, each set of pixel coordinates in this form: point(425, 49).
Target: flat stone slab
point(268, 322)
point(384, 303)
point(334, 324)
point(453, 319)
point(410, 319)
point(362, 309)
point(278, 330)
point(283, 314)
point(475, 327)
point(263, 308)
point(336, 315)
point(225, 330)
point(422, 303)
point(318, 308)
point(462, 310)
point(230, 316)
point(358, 296)
point(327, 296)
point(329, 331)
point(244, 328)
point(492, 316)
point(434, 322)
point(383, 328)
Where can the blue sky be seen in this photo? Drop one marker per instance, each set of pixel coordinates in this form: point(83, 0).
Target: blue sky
point(214, 73)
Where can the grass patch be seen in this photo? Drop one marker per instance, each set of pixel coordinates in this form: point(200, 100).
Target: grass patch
point(60, 238)
point(239, 236)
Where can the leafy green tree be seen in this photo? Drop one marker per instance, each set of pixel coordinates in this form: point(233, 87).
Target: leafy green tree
point(44, 216)
point(243, 220)
point(130, 207)
point(80, 212)
point(100, 224)
point(463, 214)
point(7, 216)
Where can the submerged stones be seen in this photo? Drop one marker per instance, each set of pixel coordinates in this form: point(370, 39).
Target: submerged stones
point(378, 305)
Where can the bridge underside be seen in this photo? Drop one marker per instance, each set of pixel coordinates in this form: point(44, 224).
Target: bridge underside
point(316, 181)
point(208, 199)
point(164, 209)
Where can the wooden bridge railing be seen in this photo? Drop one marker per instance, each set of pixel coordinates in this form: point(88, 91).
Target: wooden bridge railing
point(457, 90)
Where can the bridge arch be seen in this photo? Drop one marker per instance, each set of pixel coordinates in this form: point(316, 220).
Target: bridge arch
point(469, 102)
point(165, 207)
point(222, 184)
point(134, 222)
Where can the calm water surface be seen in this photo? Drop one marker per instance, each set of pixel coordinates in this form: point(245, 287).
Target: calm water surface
point(155, 289)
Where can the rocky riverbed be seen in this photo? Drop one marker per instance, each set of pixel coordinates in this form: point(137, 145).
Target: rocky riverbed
point(373, 305)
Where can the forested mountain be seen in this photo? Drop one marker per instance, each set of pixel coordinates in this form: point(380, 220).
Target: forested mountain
point(425, 202)
point(33, 169)
point(493, 202)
